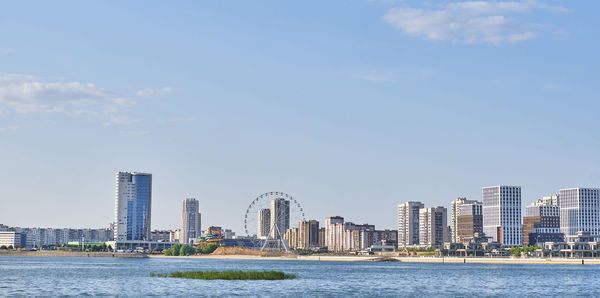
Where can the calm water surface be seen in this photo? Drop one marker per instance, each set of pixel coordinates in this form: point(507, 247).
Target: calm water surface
point(130, 277)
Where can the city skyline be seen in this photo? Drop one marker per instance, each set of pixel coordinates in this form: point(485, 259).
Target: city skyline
point(336, 103)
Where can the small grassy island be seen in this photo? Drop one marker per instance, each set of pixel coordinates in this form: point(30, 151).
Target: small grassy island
point(228, 275)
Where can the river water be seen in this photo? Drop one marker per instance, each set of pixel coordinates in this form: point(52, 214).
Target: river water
point(51, 276)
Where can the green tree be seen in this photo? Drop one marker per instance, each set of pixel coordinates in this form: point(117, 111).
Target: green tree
point(3, 247)
point(186, 250)
point(516, 251)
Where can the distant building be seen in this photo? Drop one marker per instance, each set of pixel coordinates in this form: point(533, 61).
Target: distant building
point(469, 221)
point(211, 229)
point(191, 220)
point(502, 214)
point(308, 234)
point(133, 204)
point(334, 233)
point(579, 211)
point(280, 217)
point(161, 236)
point(408, 223)
point(542, 222)
point(455, 209)
point(433, 226)
point(10, 239)
point(321, 237)
point(264, 223)
point(228, 234)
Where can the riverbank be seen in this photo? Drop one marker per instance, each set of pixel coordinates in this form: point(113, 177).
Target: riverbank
point(62, 253)
point(468, 260)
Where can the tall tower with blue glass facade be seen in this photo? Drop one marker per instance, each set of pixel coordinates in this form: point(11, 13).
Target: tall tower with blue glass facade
point(133, 204)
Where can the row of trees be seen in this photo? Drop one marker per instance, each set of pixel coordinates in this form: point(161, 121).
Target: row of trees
point(188, 250)
point(6, 247)
point(516, 251)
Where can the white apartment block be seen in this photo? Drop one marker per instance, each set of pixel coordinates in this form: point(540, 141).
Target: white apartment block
point(433, 226)
point(502, 214)
point(408, 223)
point(579, 211)
point(334, 233)
point(10, 239)
point(264, 223)
point(190, 220)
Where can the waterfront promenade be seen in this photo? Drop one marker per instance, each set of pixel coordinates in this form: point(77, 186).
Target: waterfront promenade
point(453, 260)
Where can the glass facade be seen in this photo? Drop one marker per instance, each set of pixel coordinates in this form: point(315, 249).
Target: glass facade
point(133, 206)
point(502, 214)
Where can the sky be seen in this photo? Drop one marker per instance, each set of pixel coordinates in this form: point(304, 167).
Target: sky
point(352, 107)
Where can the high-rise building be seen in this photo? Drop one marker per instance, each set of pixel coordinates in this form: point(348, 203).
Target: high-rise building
point(454, 214)
point(191, 220)
point(433, 226)
point(280, 217)
point(408, 223)
point(133, 204)
point(579, 211)
point(308, 234)
point(502, 214)
point(542, 222)
point(469, 221)
point(334, 233)
point(264, 223)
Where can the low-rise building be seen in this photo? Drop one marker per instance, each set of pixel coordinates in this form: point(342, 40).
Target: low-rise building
point(10, 239)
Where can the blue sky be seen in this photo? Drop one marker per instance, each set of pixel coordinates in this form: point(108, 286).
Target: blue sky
point(350, 106)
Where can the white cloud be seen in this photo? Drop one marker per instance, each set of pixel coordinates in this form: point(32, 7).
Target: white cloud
point(469, 22)
point(8, 128)
point(154, 92)
point(25, 94)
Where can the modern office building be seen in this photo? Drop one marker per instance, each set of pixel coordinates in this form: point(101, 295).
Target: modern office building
point(280, 217)
point(455, 208)
point(433, 226)
point(579, 211)
point(264, 223)
point(334, 233)
point(408, 223)
point(191, 220)
point(502, 214)
point(133, 205)
point(469, 221)
point(542, 222)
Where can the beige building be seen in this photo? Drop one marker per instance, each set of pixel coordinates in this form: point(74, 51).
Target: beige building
point(334, 233)
point(455, 208)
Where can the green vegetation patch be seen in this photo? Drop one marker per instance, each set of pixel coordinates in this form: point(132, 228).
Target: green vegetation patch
point(228, 275)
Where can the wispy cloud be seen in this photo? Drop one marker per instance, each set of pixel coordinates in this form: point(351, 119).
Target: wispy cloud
point(154, 92)
point(8, 128)
point(135, 132)
point(6, 51)
point(25, 94)
point(392, 76)
point(178, 120)
point(470, 22)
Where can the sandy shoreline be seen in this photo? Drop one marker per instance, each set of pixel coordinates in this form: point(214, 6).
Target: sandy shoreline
point(468, 260)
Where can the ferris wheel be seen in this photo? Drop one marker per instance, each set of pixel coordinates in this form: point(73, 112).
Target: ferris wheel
point(269, 216)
